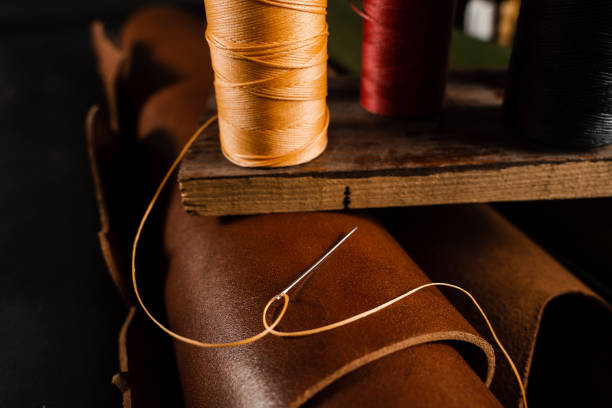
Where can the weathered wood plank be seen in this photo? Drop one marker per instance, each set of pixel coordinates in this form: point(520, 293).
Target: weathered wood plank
point(464, 155)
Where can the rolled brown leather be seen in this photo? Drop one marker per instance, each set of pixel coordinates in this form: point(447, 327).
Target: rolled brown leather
point(147, 374)
point(110, 60)
point(221, 272)
point(426, 375)
point(557, 330)
point(147, 377)
point(168, 37)
point(406, 379)
point(577, 232)
point(165, 43)
point(157, 47)
point(170, 116)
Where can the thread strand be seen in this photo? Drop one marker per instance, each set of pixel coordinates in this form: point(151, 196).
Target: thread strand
point(171, 333)
point(270, 64)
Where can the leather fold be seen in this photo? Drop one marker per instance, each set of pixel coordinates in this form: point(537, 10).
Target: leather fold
point(577, 232)
point(222, 272)
point(557, 330)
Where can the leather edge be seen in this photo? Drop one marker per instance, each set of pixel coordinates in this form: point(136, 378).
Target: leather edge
point(466, 337)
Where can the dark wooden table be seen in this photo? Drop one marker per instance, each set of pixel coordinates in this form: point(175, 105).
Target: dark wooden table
point(466, 154)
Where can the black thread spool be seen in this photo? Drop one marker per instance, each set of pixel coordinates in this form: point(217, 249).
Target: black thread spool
point(560, 79)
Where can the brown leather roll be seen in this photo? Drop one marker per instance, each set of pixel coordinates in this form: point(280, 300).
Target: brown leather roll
point(147, 374)
point(171, 115)
point(165, 45)
point(147, 377)
point(170, 39)
point(577, 232)
point(157, 47)
point(124, 165)
point(414, 377)
point(222, 271)
point(290, 370)
point(557, 330)
point(110, 60)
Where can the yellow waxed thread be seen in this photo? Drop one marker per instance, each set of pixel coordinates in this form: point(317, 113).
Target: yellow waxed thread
point(270, 64)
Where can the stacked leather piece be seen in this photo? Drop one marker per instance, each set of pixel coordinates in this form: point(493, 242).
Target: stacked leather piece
point(575, 231)
point(550, 322)
point(216, 274)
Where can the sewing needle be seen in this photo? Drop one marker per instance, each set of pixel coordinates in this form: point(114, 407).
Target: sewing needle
point(313, 267)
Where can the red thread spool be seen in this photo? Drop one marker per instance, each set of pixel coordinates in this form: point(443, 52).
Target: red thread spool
point(404, 57)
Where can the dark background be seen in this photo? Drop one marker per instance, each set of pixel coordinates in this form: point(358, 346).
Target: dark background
point(59, 312)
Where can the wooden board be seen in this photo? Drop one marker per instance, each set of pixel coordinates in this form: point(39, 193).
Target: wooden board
point(464, 155)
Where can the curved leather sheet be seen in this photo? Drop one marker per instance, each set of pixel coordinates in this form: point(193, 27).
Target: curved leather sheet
point(157, 47)
point(102, 148)
point(165, 45)
point(148, 374)
point(577, 232)
point(168, 118)
point(110, 61)
point(154, 42)
point(544, 315)
point(222, 271)
point(414, 377)
point(147, 377)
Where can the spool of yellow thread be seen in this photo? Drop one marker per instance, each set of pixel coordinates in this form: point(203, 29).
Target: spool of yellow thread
point(270, 64)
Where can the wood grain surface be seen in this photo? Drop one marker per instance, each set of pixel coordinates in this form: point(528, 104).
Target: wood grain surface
point(465, 154)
